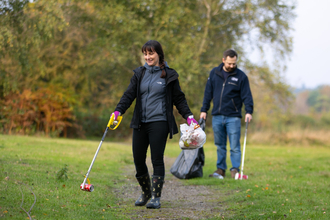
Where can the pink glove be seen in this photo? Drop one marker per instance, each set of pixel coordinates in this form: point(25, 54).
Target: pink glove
point(191, 119)
point(116, 113)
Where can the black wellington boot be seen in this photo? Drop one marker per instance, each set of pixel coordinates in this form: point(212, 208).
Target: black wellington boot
point(144, 182)
point(157, 185)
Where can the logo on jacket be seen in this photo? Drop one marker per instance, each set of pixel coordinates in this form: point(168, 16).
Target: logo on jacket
point(160, 83)
point(234, 79)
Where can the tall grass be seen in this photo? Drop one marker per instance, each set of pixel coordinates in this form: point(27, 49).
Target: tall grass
point(292, 136)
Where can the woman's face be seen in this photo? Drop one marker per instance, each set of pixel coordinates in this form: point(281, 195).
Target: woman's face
point(151, 57)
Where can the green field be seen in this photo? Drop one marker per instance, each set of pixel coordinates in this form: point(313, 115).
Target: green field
point(284, 182)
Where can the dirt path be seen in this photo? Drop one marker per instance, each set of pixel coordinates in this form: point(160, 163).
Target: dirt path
point(178, 200)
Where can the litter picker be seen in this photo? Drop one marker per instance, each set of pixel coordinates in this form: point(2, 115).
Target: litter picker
point(237, 175)
point(112, 125)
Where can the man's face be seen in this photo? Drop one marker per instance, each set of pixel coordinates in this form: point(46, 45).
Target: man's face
point(229, 63)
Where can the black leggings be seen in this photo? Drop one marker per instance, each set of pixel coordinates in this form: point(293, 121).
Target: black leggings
point(155, 134)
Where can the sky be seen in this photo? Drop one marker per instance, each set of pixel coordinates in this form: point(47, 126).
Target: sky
point(309, 63)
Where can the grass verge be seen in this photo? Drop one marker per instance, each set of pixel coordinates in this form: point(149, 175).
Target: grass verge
point(284, 182)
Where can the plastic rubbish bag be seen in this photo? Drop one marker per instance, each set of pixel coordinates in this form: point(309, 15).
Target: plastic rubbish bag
point(189, 164)
point(192, 136)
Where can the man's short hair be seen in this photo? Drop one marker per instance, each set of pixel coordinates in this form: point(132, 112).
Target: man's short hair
point(231, 53)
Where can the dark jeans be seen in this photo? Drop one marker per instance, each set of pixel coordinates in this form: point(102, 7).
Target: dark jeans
point(154, 134)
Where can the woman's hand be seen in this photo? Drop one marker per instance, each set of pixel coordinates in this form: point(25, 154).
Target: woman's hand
point(191, 119)
point(116, 113)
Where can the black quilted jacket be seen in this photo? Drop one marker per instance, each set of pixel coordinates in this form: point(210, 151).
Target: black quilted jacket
point(174, 96)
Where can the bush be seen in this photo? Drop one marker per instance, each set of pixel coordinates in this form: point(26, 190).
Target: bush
point(45, 110)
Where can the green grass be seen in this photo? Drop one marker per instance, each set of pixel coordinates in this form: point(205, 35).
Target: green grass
point(35, 162)
point(290, 182)
point(284, 182)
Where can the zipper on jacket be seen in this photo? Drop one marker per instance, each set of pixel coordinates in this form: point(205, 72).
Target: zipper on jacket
point(168, 113)
point(234, 104)
point(232, 83)
point(223, 87)
point(145, 111)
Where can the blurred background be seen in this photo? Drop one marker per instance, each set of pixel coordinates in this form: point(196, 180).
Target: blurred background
point(64, 64)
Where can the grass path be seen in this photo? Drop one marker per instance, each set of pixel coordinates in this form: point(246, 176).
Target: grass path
point(179, 199)
point(284, 183)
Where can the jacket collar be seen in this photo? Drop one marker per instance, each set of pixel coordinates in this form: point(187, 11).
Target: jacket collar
point(218, 70)
point(171, 74)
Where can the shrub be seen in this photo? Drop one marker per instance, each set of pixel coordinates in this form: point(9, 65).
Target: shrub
point(45, 110)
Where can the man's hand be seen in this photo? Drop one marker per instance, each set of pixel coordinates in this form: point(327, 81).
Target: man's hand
point(248, 117)
point(203, 115)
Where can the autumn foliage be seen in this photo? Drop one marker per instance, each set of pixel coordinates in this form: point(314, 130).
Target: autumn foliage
point(44, 110)
point(64, 63)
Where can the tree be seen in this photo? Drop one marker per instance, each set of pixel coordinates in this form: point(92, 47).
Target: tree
point(89, 48)
point(319, 100)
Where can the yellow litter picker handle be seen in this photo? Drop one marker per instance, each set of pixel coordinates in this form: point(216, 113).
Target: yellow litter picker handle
point(113, 122)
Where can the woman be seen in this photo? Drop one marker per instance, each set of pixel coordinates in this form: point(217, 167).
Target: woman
point(156, 89)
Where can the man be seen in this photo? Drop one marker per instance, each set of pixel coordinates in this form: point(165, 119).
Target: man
point(229, 88)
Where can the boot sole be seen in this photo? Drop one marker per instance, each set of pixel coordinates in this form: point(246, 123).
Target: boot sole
point(142, 203)
point(153, 207)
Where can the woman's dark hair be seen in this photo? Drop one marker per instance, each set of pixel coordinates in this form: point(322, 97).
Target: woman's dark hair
point(155, 46)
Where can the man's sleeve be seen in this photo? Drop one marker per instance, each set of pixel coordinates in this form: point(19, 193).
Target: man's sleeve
point(246, 96)
point(208, 95)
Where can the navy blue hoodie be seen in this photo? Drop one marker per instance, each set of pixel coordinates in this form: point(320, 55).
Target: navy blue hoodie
point(229, 94)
